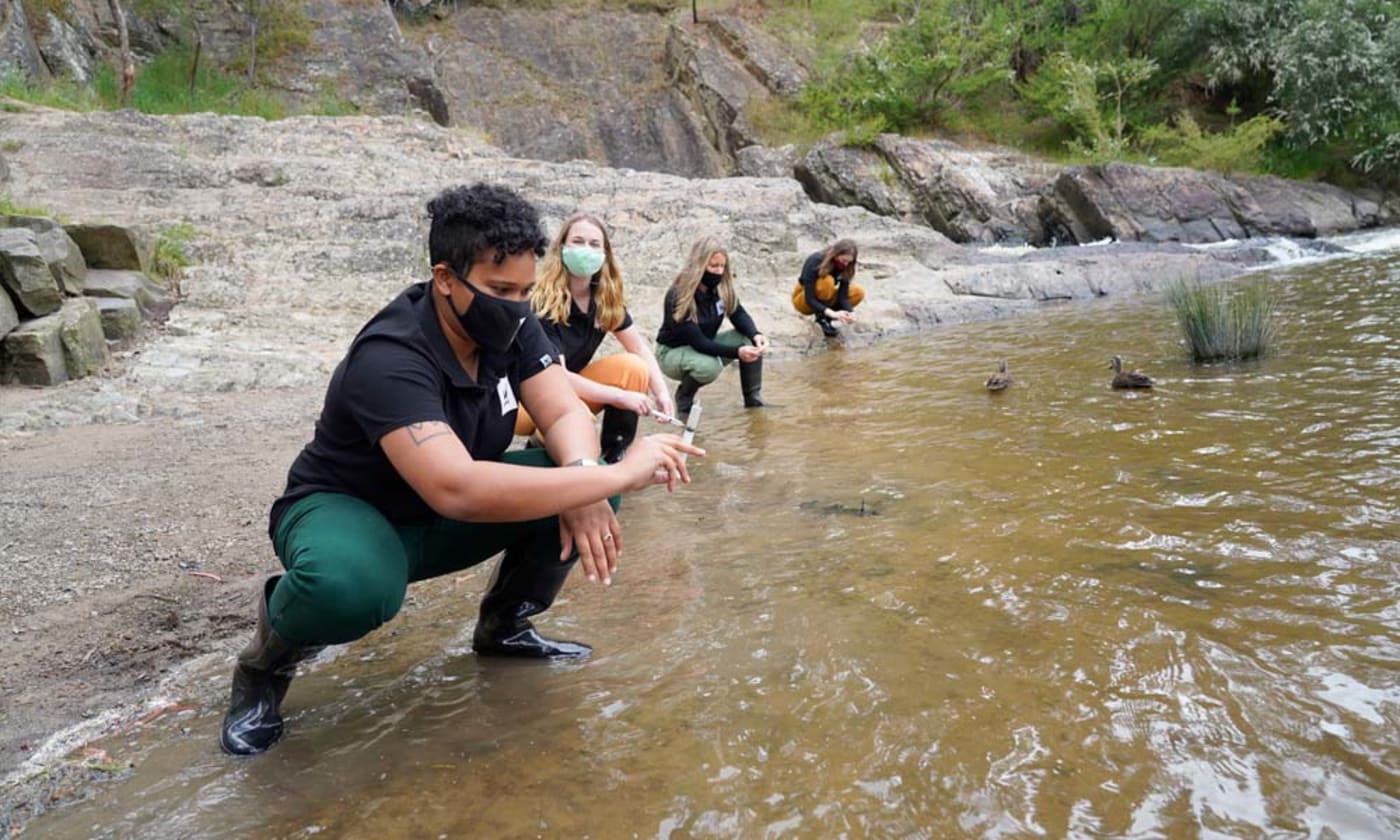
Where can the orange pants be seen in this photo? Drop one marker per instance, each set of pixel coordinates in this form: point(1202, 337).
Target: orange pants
point(620, 370)
point(826, 293)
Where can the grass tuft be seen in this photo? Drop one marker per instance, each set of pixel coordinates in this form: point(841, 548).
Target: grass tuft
point(1221, 325)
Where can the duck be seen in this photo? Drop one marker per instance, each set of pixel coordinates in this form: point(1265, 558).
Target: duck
point(1128, 378)
point(999, 380)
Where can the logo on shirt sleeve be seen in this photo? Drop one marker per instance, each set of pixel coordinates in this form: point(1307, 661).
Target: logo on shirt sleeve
point(503, 390)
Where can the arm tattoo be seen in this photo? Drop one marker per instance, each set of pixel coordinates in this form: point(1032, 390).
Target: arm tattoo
point(421, 433)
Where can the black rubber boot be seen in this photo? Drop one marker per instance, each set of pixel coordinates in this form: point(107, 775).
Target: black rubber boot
point(828, 329)
point(619, 428)
point(685, 396)
point(751, 381)
point(260, 680)
point(524, 587)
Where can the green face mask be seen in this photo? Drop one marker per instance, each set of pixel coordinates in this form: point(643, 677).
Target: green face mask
point(581, 260)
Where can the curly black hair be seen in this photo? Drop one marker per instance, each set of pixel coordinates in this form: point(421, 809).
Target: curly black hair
point(470, 221)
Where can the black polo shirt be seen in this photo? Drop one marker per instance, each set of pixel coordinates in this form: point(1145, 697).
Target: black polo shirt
point(401, 370)
point(577, 340)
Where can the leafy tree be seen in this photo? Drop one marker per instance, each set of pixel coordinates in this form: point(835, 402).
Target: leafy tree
point(1330, 68)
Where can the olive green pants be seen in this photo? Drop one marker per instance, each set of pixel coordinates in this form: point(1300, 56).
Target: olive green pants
point(677, 362)
point(348, 567)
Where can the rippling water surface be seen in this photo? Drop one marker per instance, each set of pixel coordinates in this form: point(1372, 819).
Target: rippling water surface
point(898, 606)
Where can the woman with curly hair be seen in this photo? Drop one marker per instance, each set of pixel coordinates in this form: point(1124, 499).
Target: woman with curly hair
point(690, 346)
point(579, 299)
point(824, 288)
point(407, 476)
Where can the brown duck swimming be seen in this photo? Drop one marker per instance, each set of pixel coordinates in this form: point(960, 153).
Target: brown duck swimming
point(1128, 378)
point(999, 380)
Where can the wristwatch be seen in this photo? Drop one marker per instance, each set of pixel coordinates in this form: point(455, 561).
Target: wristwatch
point(587, 462)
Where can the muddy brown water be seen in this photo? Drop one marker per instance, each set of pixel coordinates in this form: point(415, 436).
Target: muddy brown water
point(896, 606)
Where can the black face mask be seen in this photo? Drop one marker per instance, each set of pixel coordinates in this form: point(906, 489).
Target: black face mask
point(711, 279)
point(490, 321)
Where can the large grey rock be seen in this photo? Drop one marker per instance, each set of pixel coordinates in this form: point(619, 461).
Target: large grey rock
point(762, 55)
point(84, 345)
point(717, 83)
point(9, 316)
point(1292, 208)
point(112, 246)
point(768, 162)
point(19, 55)
point(33, 353)
point(153, 300)
point(57, 248)
point(121, 318)
point(25, 273)
point(979, 196)
point(67, 46)
point(1145, 204)
point(836, 174)
point(1148, 204)
point(552, 87)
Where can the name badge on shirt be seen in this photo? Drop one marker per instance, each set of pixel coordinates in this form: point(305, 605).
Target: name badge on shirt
point(506, 394)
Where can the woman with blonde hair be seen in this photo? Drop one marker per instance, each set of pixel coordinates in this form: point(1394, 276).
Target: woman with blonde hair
point(579, 299)
point(824, 288)
point(689, 344)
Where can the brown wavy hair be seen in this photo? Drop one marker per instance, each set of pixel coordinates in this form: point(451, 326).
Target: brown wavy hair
point(551, 298)
point(834, 250)
point(688, 280)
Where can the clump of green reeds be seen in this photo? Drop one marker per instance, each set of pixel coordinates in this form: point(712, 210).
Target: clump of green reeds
point(1221, 324)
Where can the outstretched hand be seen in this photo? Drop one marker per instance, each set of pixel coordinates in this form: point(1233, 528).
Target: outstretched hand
point(658, 459)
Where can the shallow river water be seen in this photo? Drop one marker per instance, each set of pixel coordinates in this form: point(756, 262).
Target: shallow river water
point(896, 606)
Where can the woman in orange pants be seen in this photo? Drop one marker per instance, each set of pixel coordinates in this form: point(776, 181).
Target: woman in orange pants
point(579, 300)
point(825, 289)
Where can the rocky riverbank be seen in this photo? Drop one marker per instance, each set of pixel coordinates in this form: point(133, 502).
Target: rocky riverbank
point(132, 504)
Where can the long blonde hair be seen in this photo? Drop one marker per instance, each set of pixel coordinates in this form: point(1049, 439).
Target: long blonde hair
point(551, 298)
point(688, 280)
point(834, 250)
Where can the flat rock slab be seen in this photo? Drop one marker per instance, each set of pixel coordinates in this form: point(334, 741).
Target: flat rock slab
point(149, 295)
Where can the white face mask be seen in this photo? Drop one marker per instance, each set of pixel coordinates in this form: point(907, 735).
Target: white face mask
point(581, 260)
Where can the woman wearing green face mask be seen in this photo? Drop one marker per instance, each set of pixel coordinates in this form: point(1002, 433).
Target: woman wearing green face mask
point(578, 297)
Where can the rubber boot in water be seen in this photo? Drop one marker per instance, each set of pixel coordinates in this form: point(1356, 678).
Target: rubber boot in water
point(528, 578)
point(260, 680)
point(828, 329)
point(619, 428)
point(685, 395)
point(751, 381)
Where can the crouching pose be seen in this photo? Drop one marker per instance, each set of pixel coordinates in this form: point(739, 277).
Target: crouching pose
point(690, 346)
point(824, 288)
point(407, 476)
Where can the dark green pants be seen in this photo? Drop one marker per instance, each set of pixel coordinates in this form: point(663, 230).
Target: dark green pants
point(348, 567)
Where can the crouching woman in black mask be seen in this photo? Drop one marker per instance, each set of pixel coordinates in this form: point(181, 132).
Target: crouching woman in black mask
point(407, 475)
point(690, 346)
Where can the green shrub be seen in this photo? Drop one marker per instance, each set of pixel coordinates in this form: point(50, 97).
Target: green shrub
point(1185, 144)
point(8, 207)
point(1220, 325)
point(170, 255)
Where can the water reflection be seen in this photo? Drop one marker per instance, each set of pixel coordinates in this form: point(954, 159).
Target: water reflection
point(898, 606)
